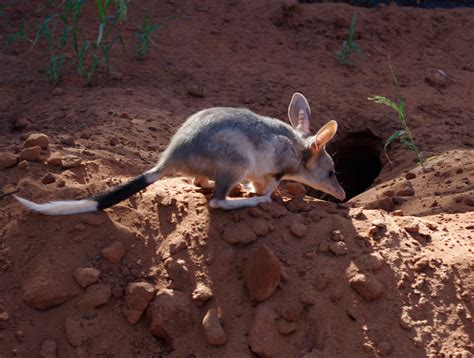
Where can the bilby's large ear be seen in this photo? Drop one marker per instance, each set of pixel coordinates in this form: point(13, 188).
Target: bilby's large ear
point(324, 135)
point(299, 113)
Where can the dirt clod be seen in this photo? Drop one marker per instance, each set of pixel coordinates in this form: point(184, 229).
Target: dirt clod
point(213, 330)
point(86, 276)
point(137, 297)
point(114, 252)
point(367, 285)
point(8, 160)
point(37, 139)
point(262, 273)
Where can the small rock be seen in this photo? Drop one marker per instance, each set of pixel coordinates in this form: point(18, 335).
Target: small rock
point(114, 252)
point(48, 288)
point(213, 330)
point(262, 273)
point(137, 297)
point(202, 293)
point(410, 175)
point(296, 189)
point(58, 91)
point(195, 92)
point(4, 316)
point(384, 203)
point(408, 191)
point(260, 227)
point(379, 223)
point(239, 234)
point(69, 141)
point(48, 349)
point(367, 286)
point(336, 235)
point(48, 179)
point(177, 245)
point(263, 336)
point(298, 229)
point(335, 295)
point(96, 295)
point(93, 219)
point(412, 227)
point(79, 330)
point(320, 281)
point(285, 327)
point(338, 248)
point(86, 276)
point(384, 348)
point(31, 154)
point(21, 123)
point(37, 139)
point(8, 160)
point(421, 263)
point(292, 311)
point(179, 274)
point(398, 213)
point(469, 200)
point(170, 316)
point(55, 159)
point(436, 78)
point(373, 261)
point(71, 161)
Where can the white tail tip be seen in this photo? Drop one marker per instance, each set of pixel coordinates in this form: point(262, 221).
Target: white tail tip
point(65, 207)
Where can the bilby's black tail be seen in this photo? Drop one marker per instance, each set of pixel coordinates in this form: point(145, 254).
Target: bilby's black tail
point(99, 202)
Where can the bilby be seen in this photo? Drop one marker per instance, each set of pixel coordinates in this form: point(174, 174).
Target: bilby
point(229, 146)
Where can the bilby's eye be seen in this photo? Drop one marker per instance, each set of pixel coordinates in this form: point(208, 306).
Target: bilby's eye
point(331, 173)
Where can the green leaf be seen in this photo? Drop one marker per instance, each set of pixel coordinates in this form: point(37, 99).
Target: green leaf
point(384, 100)
point(44, 28)
point(397, 134)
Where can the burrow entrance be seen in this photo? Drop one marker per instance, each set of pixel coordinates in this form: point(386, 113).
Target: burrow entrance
point(357, 162)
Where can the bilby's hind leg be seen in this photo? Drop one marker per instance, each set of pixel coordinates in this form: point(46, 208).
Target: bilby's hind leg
point(266, 186)
point(223, 186)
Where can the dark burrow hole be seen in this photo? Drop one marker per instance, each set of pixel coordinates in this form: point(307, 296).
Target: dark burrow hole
point(357, 163)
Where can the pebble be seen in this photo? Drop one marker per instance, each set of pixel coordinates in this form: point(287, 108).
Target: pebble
point(379, 223)
point(170, 316)
point(263, 336)
point(285, 327)
point(213, 330)
point(367, 285)
point(202, 292)
point(31, 154)
point(469, 200)
point(114, 252)
point(48, 179)
point(338, 248)
point(298, 229)
point(195, 92)
point(320, 281)
point(4, 316)
point(37, 139)
point(292, 311)
point(262, 273)
point(239, 234)
point(55, 159)
point(8, 160)
point(71, 161)
point(336, 235)
point(137, 298)
point(384, 348)
point(373, 261)
point(86, 276)
point(408, 191)
point(48, 349)
point(384, 203)
point(296, 189)
point(410, 175)
point(178, 273)
point(412, 227)
point(96, 295)
point(260, 227)
point(58, 91)
point(421, 263)
point(436, 77)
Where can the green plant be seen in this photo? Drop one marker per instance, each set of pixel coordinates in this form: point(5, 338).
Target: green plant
point(18, 36)
point(72, 8)
point(403, 134)
point(108, 32)
point(348, 46)
point(56, 53)
point(142, 47)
